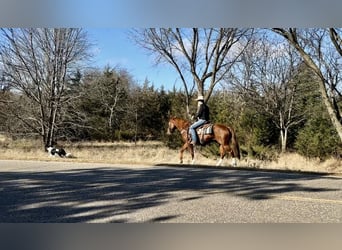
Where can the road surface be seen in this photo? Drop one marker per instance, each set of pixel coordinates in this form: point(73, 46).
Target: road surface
point(32, 191)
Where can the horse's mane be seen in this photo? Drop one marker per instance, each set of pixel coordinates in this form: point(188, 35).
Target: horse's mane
point(181, 122)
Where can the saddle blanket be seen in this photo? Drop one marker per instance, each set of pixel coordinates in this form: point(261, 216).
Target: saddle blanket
point(205, 129)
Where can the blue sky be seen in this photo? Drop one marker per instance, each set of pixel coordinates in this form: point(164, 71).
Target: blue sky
point(113, 47)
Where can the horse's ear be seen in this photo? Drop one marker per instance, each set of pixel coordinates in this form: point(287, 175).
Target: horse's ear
point(171, 117)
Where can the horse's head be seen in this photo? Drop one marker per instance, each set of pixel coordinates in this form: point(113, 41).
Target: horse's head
point(171, 127)
point(177, 123)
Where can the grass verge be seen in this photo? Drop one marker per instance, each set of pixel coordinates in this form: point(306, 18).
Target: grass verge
point(153, 153)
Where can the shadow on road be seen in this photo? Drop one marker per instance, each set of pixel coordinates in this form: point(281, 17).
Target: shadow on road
point(83, 195)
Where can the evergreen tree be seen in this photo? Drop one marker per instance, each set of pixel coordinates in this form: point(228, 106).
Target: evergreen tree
point(318, 138)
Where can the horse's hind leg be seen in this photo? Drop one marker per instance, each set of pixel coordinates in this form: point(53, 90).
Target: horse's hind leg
point(192, 153)
point(223, 150)
point(234, 163)
point(222, 154)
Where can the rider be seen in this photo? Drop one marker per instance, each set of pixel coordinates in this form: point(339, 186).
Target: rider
point(202, 117)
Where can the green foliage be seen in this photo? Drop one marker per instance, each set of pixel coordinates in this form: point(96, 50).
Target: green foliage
point(151, 108)
point(225, 108)
point(257, 129)
point(173, 141)
point(177, 103)
point(318, 139)
point(112, 107)
point(211, 151)
point(98, 103)
point(263, 153)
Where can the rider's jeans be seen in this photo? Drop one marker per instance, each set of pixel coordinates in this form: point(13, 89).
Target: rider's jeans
point(193, 129)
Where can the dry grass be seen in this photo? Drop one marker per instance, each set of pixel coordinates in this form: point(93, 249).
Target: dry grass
point(296, 162)
point(102, 152)
point(151, 153)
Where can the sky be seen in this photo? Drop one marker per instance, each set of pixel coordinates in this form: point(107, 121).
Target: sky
point(112, 46)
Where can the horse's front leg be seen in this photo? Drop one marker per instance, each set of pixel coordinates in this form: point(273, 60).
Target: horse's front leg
point(191, 150)
point(181, 152)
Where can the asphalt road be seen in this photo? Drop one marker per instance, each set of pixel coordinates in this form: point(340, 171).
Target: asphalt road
point(32, 191)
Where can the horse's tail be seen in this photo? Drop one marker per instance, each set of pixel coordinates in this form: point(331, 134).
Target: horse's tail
point(234, 144)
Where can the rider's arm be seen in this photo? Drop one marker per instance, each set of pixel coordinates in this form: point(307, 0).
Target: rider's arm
point(199, 111)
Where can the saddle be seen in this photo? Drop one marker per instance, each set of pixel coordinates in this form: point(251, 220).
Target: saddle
point(205, 129)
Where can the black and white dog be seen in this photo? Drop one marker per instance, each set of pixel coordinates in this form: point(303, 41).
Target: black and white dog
point(57, 151)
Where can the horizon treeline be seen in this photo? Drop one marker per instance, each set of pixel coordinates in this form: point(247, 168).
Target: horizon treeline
point(107, 105)
point(277, 96)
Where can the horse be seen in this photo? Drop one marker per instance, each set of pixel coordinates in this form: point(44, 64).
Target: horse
point(222, 134)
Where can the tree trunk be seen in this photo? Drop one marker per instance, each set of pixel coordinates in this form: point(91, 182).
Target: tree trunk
point(283, 137)
point(333, 114)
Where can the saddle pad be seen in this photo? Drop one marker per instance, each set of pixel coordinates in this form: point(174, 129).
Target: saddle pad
point(205, 129)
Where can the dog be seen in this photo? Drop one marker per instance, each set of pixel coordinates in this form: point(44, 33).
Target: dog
point(58, 151)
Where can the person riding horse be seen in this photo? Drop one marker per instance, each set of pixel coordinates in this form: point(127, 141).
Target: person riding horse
point(202, 116)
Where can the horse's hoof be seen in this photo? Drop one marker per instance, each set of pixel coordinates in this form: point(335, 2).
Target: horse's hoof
point(219, 162)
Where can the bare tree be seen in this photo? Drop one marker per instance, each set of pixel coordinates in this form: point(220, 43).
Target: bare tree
point(321, 51)
point(336, 39)
point(107, 93)
point(37, 62)
point(267, 78)
point(205, 55)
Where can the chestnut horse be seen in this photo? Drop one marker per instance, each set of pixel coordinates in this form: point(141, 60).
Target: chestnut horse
point(223, 135)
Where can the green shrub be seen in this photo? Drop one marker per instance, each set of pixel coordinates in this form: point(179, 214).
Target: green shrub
point(318, 139)
point(263, 153)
